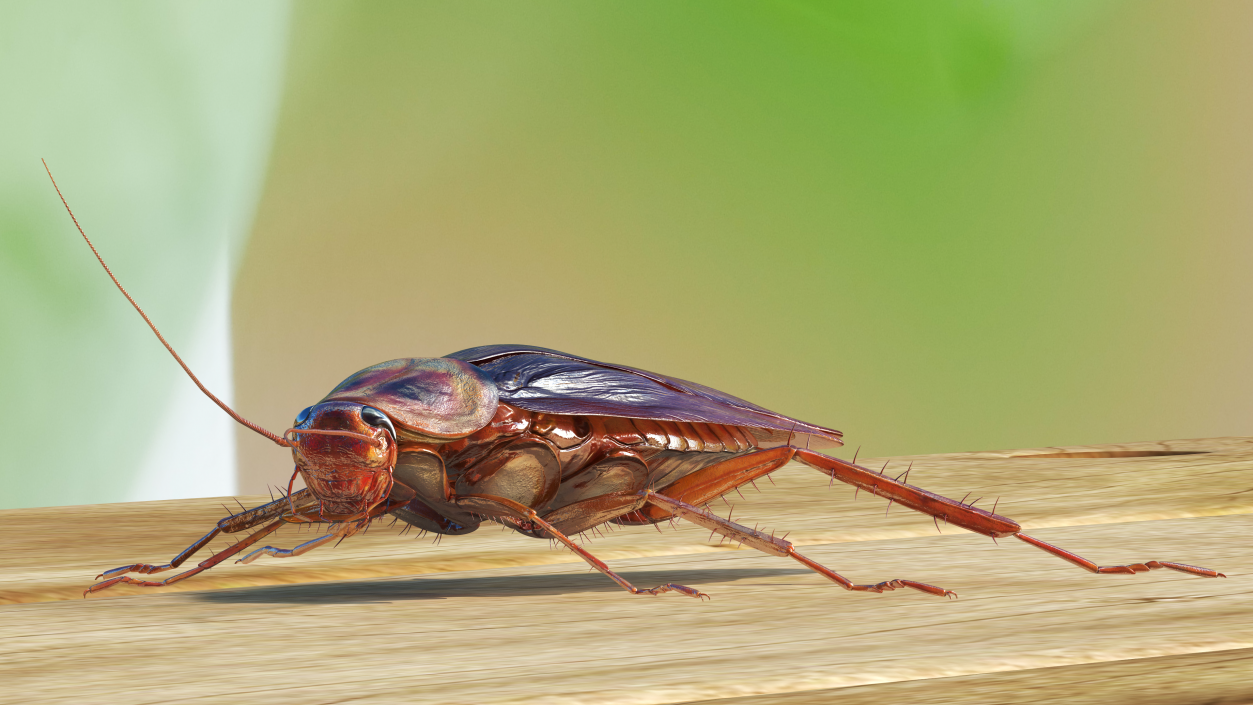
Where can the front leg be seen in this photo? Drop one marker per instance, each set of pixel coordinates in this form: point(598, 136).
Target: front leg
point(303, 499)
point(310, 514)
point(203, 566)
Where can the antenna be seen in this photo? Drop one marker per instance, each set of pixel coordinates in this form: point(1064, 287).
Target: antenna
point(273, 437)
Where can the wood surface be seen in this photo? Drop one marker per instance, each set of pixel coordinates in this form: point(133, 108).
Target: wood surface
point(494, 617)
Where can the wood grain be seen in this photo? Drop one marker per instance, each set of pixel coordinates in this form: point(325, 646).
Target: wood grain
point(498, 618)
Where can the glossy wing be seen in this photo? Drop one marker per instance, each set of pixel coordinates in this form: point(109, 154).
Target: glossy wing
point(549, 381)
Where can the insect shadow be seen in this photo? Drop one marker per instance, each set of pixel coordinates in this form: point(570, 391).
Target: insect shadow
point(436, 587)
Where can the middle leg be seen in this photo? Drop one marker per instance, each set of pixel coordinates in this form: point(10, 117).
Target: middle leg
point(506, 508)
point(338, 530)
point(288, 552)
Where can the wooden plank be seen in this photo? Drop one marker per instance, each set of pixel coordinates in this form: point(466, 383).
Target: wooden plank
point(497, 618)
point(1210, 677)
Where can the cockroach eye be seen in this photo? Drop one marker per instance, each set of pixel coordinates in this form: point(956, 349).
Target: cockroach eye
point(304, 415)
point(377, 419)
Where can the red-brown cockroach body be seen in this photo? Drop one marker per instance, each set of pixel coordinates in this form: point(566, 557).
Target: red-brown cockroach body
point(550, 445)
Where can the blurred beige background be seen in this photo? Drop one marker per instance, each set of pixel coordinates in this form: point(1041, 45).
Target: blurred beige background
point(934, 226)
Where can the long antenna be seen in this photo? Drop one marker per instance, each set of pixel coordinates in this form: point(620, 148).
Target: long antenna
point(273, 437)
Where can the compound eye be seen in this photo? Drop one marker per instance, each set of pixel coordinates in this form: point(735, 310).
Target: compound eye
point(377, 419)
point(304, 415)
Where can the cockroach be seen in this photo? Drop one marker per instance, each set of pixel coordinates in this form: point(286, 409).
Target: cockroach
point(550, 445)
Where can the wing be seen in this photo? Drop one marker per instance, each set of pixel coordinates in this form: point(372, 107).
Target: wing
point(548, 381)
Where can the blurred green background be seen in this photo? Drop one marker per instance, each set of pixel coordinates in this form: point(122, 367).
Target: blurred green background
point(936, 226)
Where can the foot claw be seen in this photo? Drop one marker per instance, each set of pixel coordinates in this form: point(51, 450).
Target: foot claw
point(888, 585)
point(1190, 569)
point(145, 568)
point(929, 589)
point(674, 587)
point(1133, 568)
point(123, 579)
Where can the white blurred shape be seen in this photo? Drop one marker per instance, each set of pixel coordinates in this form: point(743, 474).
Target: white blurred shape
point(192, 451)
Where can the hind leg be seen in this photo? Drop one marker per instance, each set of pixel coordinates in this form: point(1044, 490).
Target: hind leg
point(716, 480)
point(712, 482)
point(967, 516)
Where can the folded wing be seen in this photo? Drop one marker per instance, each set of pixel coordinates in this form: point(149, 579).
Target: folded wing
point(553, 382)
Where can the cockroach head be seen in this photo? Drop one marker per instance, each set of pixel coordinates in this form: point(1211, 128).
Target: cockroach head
point(346, 445)
point(346, 453)
point(342, 435)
